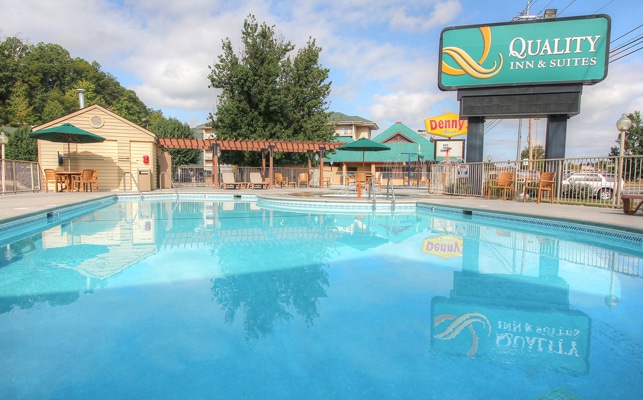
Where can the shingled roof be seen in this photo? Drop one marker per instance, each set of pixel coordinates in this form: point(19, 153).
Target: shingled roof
point(337, 118)
point(400, 138)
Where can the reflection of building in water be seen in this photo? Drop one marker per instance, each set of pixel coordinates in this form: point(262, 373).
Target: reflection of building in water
point(127, 238)
point(509, 304)
point(620, 259)
point(512, 319)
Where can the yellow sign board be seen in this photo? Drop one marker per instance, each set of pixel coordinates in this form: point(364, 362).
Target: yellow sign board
point(444, 246)
point(446, 125)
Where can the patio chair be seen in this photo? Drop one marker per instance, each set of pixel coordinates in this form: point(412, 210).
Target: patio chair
point(377, 181)
point(546, 184)
point(93, 183)
point(50, 176)
point(257, 181)
point(360, 179)
point(504, 182)
point(349, 180)
point(228, 181)
point(82, 183)
point(303, 179)
point(280, 180)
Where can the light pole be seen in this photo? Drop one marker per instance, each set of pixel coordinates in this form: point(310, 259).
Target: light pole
point(623, 125)
point(3, 140)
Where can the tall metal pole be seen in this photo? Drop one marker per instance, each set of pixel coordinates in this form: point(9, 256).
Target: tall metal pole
point(3, 141)
point(623, 125)
point(4, 172)
point(519, 150)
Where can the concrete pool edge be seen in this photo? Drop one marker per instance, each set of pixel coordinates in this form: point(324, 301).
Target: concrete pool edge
point(31, 205)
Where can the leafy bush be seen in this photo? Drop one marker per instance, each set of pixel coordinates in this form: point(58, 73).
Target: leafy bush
point(458, 188)
point(578, 191)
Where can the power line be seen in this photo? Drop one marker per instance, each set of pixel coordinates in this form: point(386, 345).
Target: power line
point(566, 7)
point(626, 33)
point(625, 55)
point(627, 45)
point(596, 12)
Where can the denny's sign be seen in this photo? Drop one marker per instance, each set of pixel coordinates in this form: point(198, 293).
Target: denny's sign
point(446, 125)
point(547, 51)
point(444, 246)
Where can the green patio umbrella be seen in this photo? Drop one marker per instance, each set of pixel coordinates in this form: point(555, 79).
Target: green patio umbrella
point(66, 133)
point(363, 145)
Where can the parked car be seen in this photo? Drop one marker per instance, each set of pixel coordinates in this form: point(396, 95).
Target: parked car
point(531, 175)
point(602, 185)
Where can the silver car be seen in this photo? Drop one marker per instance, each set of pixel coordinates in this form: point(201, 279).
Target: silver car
point(602, 185)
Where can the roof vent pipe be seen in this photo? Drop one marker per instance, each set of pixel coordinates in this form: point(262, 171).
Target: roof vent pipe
point(81, 97)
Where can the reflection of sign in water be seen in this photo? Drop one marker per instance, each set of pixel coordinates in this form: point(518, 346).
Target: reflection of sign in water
point(556, 339)
point(444, 246)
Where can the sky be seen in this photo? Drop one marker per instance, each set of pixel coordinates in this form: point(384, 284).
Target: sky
point(382, 55)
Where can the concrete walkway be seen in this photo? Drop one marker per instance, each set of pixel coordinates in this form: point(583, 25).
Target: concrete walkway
point(13, 206)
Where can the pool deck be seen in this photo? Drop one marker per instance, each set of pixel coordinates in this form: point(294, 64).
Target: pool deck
point(22, 204)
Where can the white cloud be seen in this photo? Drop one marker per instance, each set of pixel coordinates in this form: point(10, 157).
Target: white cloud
point(382, 55)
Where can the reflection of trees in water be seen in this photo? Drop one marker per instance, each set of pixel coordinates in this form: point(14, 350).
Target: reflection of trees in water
point(266, 297)
point(270, 294)
point(30, 275)
point(44, 289)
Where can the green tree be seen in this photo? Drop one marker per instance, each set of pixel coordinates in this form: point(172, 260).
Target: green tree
point(537, 151)
point(18, 108)
point(173, 128)
point(43, 79)
point(20, 146)
point(266, 94)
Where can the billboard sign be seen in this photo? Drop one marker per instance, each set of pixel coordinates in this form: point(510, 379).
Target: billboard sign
point(453, 148)
point(542, 52)
point(446, 125)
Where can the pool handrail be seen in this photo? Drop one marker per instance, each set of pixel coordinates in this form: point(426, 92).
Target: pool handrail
point(176, 191)
point(133, 180)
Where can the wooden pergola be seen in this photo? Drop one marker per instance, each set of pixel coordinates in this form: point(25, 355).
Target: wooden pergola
point(264, 146)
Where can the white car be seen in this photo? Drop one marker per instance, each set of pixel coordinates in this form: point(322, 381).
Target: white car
point(603, 185)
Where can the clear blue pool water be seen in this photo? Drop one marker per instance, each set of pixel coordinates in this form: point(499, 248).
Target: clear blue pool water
point(233, 300)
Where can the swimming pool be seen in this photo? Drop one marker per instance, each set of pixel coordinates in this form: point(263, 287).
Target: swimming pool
point(240, 299)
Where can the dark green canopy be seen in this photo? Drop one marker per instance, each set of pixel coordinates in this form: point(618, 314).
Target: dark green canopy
point(363, 145)
point(66, 133)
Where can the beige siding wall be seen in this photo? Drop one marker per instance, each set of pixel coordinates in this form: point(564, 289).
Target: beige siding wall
point(138, 150)
point(121, 152)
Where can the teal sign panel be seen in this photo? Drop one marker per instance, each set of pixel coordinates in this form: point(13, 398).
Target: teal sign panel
point(542, 52)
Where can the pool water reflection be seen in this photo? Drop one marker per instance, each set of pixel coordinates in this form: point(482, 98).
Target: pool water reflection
point(191, 299)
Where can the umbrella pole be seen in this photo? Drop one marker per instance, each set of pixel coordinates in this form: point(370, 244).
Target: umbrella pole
point(68, 157)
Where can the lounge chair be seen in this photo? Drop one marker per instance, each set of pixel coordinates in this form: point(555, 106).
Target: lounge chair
point(257, 181)
point(59, 182)
point(504, 182)
point(629, 201)
point(228, 182)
